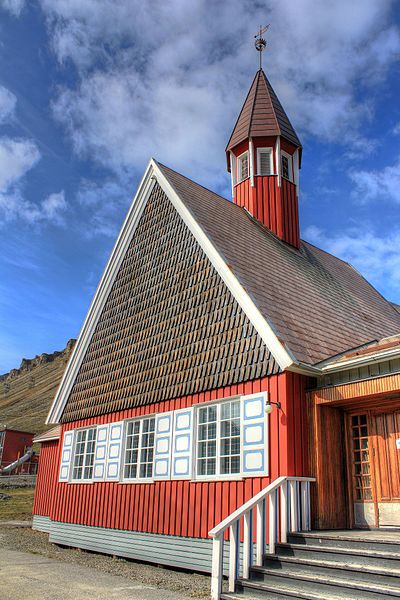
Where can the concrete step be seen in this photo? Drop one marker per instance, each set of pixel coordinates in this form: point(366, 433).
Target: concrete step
point(359, 540)
point(275, 593)
point(300, 589)
point(370, 558)
point(327, 568)
point(316, 582)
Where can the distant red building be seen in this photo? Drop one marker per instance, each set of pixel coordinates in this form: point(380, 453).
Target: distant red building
point(13, 445)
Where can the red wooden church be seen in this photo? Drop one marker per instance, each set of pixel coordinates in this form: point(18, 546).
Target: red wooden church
point(202, 415)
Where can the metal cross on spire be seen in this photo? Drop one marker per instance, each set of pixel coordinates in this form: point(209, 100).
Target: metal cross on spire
point(260, 42)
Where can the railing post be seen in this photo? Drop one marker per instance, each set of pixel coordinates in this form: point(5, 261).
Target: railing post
point(260, 548)
point(217, 566)
point(284, 512)
point(294, 524)
point(304, 505)
point(246, 544)
point(233, 555)
point(272, 523)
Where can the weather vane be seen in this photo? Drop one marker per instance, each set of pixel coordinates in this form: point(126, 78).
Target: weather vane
point(260, 42)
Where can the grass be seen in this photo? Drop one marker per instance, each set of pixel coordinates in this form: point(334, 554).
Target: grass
point(19, 506)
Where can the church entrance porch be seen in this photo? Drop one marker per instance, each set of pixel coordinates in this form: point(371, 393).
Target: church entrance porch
point(355, 456)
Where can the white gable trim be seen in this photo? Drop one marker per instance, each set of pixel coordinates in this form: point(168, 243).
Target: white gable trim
point(153, 173)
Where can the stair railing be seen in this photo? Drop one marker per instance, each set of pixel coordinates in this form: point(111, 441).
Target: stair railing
point(289, 511)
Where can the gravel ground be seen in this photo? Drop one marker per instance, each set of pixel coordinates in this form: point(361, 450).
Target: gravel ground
point(36, 542)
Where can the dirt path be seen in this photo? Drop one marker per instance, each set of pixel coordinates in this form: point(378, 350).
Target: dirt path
point(32, 548)
point(32, 577)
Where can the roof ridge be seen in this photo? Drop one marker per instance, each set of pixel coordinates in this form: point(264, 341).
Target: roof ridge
point(241, 111)
point(272, 103)
point(254, 101)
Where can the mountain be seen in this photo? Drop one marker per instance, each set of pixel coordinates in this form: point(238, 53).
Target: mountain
point(27, 393)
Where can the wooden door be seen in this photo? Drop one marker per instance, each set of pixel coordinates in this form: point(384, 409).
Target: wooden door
point(386, 433)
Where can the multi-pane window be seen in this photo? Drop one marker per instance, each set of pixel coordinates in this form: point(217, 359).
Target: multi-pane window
point(286, 167)
point(361, 458)
point(218, 439)
point(139, 449)
point(264, 161)
point(243, 166)
point(85, 442)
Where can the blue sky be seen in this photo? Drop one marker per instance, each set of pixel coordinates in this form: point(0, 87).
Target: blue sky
point(89, 91)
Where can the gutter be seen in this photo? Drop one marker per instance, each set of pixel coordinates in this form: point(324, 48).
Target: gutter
point(360, 361)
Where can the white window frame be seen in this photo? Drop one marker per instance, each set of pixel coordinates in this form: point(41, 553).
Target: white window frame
point(73, 479)
point(271, 162)
point(239, 160)
point(290, 163)
point(137, 479)
point(217, 476)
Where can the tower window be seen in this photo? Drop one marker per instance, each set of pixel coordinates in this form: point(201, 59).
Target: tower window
point(286, 166)
point(243, 166)
point(264, 161)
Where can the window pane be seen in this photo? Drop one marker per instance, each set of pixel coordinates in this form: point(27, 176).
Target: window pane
point(147, 448)
point(131, 449)
point(84, 453)
point(265, 167)
point(285, 167)
point(243, 167)
point(218, 437)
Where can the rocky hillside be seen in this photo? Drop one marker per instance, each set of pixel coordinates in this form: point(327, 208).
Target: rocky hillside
point(27, 393)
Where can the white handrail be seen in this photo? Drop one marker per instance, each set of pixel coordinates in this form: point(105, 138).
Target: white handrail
point(293, 510)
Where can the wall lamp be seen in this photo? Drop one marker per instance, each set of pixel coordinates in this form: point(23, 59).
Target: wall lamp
point(269, 406)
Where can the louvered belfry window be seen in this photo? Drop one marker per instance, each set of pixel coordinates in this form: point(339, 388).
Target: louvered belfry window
point(243, 166)
point(264, 164)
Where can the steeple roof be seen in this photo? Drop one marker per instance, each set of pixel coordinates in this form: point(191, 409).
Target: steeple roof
point(262, 115)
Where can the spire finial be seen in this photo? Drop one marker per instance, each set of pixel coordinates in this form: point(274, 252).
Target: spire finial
point(260, 42)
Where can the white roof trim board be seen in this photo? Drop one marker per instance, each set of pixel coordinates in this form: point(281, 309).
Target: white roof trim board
point(152, 174)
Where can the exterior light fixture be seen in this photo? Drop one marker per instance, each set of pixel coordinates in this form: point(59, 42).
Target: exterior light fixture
point(269, 406)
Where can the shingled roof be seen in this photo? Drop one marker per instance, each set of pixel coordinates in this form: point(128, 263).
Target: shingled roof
point(262, 115)
point(317, 304)
point(169, 327)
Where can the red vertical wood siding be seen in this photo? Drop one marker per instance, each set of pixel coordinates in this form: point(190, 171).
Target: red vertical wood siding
point(46, 478)
point(183, 508)
point(276, 207)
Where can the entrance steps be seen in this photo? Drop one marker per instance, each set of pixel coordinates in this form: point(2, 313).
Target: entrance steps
point(318, 566)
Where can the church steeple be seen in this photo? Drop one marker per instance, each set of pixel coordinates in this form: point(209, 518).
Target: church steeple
point(264, 155)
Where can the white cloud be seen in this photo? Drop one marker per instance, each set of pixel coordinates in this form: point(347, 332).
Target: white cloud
point(53, 207)
point(396, 129)
point(376, 257)
point(379, 185)
point(7, 104)
point(15, 7)
point(168, 79)
point(15, 206)
point(100, 204)
point(17, 157)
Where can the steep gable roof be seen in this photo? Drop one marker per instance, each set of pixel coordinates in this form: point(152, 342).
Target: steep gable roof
point(305, 305)
point(262, 115)
point(317, 304)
